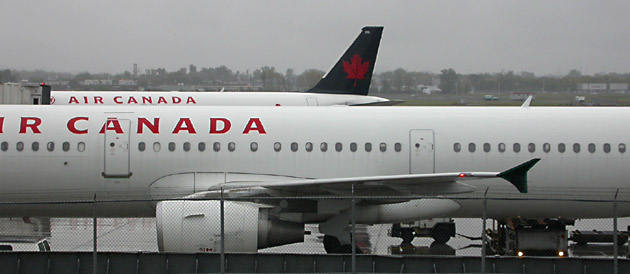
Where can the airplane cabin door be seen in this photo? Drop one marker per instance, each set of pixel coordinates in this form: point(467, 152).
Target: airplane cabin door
point(117, 151)
point(421, 151)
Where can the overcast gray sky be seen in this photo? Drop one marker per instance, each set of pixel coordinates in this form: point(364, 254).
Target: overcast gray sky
point(546, 37)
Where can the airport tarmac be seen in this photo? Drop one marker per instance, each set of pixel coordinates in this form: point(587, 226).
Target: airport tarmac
point(139, 235)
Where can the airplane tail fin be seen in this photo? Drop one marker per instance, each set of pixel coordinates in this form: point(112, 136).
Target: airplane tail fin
point(352, 74)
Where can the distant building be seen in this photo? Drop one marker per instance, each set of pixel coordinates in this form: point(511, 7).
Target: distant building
point(127, 82)
point(603, 87)
point(57, 82)
point(592, 87)
point(618, 87)
point(96, 82)
point(522, 96)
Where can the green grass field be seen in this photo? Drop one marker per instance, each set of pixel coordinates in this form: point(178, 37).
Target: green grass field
point(547, 99)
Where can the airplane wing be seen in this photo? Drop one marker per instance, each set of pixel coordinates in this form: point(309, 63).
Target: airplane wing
point(397, 185)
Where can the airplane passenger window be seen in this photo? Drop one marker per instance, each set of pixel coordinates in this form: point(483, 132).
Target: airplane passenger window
point(576, 147)
point(622, 148)
point(186, 146)
point(607, 147)
point(397, 147)
point(546, 147)
point(231, 146)
point(309, 146)
point(591, 148)
point(81, 146)
point(201, 146)
point(486, 147)
point(531, 147)
point(323, 146)
point(457, 147)
point(516, 147)
point(171, 146)
point(19, 146)
point(253, 146)
point(383, 147)
point(157, 147)
point(294, 146)
point(4, 146)
point(216, 146)
point(472, 147)
point(35, 146)
point(353, 147)
point(50, 146)
point(141, 146)
point(368, 147)
point(338, 147)
point(277, 146)
point(561, 148)
point(501, 147)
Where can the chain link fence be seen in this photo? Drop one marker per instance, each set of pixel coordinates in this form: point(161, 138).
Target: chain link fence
point(443, 227)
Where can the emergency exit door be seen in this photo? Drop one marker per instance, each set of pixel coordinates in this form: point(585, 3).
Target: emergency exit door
point(117, 149)
point(421, 151)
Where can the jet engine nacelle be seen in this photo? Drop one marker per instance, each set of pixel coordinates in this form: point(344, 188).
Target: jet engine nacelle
point(195, 226)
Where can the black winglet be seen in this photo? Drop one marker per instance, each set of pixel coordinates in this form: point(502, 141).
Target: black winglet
point(518, 174)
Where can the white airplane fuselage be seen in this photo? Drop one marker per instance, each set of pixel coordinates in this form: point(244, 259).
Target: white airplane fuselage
point(132, 157)
point(162, 98)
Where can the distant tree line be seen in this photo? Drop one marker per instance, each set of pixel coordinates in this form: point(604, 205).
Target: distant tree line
point(452, 82)
point(268, 78)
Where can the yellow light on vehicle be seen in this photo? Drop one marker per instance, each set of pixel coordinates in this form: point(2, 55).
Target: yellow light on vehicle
point(561, 253)
point(520, 254)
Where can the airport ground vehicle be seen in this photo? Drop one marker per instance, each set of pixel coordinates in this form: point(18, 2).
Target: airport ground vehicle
point(440, 229)
point(530, 237)
point(40, 245)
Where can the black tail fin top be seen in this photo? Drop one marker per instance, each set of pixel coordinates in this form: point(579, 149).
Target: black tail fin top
point(352, 74)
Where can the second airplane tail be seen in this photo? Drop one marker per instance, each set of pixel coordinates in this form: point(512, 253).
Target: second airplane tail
point(352, 74)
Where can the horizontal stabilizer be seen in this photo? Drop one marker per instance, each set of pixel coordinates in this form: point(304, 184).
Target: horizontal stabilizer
point(518, 174)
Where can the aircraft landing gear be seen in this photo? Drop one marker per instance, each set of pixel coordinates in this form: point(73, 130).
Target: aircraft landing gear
point(332, 245)
point(440, 229)
point(407, 235)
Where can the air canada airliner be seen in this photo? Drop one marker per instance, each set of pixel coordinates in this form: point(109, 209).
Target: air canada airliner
point(50, 155)
point(347, 83)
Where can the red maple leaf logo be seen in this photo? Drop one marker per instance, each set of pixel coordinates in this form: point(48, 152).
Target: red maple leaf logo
point(356, 69)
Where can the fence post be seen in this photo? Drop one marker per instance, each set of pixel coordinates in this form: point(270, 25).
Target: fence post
point(222, 233)
point(353, 239)
point(615, 246)
point(94, 237)
point(483, 232)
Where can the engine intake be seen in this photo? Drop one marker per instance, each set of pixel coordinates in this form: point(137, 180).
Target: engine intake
point(195, 226)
